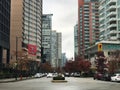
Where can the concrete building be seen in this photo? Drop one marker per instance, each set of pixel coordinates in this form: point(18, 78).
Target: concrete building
point(109, 12)
point(4, 31)
point(75, 41)
point(106, 47)
point(26, 28)
point(59, 49)
point(64, 59)
point(46, 35)
point(54, 49)
point(88, 24)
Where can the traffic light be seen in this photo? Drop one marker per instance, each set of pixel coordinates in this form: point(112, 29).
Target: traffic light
point(99, 47)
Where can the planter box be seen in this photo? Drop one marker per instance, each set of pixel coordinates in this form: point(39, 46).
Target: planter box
point(58, 81)
point(58, 78)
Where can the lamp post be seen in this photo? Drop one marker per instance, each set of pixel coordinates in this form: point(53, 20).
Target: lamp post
point(17, 54)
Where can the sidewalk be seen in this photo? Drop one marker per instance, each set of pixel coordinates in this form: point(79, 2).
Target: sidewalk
point(14, 79)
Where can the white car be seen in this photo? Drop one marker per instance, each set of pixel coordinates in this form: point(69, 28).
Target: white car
point(49, 75)
point(115, 77)
point(37, 75)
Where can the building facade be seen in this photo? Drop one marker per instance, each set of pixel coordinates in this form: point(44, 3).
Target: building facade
point(88, 24)
point(46, 35)
point(109, 12)
point(5, 31)
point(64, 60)
point(59, 49)
point(26, 28)
point(54, 49)
point(75, 41)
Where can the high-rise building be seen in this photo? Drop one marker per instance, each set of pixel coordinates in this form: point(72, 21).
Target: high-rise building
point(46, 36)
point(75, 41)
point(64, 59)
point(59, 49)
point(4, 31)
point(26, 27)
point(109, 12)
point(88, 24)
point(54, 49)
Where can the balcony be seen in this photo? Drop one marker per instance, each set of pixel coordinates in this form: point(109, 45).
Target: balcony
point(101, 36)
point(111, 13)
point(111, 25)
point(111, 7)
point(113, 31)
point(113, 38)
point(110, 2)
point(111, 19)
point(102, 1)
point(102, 18)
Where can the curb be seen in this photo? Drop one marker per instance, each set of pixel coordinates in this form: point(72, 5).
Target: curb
point(13, 80)
point(59, 81)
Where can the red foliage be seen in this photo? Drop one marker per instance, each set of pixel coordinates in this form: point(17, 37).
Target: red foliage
point(46, 67)
point(100, 53)
point(77, 66)
point(100, 62)
point(113, 66)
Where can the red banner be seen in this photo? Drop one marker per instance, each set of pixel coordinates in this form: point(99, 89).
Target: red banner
point(32, 49)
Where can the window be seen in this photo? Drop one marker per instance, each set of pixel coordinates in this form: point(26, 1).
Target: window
point(118, 12)
point(119, 25)
point(118, 2)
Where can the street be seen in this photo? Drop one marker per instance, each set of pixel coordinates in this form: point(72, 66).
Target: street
point(72, 84)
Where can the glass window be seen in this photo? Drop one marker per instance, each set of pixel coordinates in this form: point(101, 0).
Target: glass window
point(118, 13)
point(118, 2)
point(119, 25)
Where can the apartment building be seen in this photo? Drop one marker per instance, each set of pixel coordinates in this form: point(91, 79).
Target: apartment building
point(109, 12)
point(76, 41)
point(88, 24)
point(26, 28)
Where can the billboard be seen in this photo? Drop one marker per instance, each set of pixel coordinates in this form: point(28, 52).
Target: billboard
point(32, 49)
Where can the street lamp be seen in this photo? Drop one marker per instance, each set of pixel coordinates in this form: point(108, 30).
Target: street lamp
point(17, 53)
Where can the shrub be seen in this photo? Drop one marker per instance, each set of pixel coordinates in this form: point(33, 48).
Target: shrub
point(58, 78)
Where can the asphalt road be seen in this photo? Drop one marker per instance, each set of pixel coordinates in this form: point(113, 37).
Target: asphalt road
point(72, 84)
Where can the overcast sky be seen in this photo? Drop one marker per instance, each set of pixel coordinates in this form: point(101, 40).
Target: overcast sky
point(63, 20)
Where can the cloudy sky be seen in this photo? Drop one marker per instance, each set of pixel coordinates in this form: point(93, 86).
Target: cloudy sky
point(63, 20)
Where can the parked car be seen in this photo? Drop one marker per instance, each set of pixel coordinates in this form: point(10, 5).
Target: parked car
point(98, 76)
point(106, 77)
point(116, 77)
point(72, 74)
point(37, 75)
point(76, 74)
point(49, 75)
point(67, 74)
point(55, 74)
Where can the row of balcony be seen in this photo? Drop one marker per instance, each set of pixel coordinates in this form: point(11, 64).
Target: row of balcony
point(110, 5)
point(110, 20)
